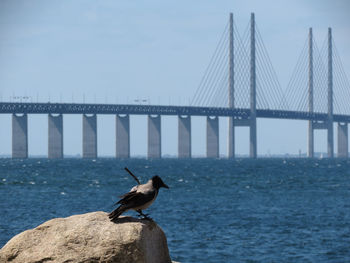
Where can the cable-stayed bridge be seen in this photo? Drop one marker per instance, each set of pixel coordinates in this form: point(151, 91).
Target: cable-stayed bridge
point(239, 83)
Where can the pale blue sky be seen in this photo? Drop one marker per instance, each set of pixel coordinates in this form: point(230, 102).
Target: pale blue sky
point(116, 51)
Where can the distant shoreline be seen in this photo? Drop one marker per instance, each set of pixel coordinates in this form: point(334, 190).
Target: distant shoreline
point(167, 156)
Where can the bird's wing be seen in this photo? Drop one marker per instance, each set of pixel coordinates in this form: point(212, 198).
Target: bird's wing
point(124, 197)
point(136, 199)
point(134, 188)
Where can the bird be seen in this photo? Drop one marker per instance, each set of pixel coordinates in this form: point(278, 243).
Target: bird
point(139, 198)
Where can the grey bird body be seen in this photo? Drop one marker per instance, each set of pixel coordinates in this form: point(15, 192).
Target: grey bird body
point(139, 198)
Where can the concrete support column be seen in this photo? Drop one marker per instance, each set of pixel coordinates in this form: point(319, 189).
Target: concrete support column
point(252, 130)
point(231, 127)
point(154, 137)
point(89, 136)
point(231, 138)
point(343, 142)
point(184, 139)
point(122, 136)
point(213, 137)
point(310, 148)
point(330, 137)
point(252, 139)
point(55, 144)
point(19, 136)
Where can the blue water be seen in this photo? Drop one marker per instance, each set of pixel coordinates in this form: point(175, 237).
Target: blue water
point(265, 210)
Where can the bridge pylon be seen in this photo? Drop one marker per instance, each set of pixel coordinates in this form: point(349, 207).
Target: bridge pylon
point(252, 135)
point(310, 148)
point(250, 121)
point(328, 123)
point(330, 137)
point(231, 99)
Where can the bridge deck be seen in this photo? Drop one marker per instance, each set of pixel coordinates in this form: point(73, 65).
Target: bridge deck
point(83, 108)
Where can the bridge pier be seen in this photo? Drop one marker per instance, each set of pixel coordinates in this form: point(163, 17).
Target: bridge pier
point(330, 137)
point(314, 125)
point(252, 138)
point(55, 143)
point(89, 136)
point(252, 129)
point(184, 136)
point(20, 136)
point(343, 142)
point(212, 137)
point(231, 93)
point(154, 137)
point(122, 136)
point(231, 138)
point(310, 148)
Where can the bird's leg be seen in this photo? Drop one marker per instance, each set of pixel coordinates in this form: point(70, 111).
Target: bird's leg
point(142, 214)
point(145, 216)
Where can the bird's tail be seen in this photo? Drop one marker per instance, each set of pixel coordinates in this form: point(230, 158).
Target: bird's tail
point(116, 213)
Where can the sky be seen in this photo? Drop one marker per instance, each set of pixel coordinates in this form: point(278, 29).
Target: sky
point(119, 51)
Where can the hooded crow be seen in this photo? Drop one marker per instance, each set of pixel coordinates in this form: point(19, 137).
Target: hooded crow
point(139, 198)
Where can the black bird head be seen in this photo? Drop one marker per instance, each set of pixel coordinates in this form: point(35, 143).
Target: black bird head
point(158, 182)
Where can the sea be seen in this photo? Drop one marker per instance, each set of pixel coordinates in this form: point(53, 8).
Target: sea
point(216, 210)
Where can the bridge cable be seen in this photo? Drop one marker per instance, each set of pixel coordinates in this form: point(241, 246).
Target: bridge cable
point(273, 85)
point(295, 81)
point(321, 81)
point(202, 88)
point(343, 80)
point(290, 92)
point(212, 84)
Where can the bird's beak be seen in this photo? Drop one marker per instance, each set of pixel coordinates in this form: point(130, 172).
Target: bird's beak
point(164, 185)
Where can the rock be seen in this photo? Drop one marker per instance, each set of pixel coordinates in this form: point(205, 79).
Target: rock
point(89, 237)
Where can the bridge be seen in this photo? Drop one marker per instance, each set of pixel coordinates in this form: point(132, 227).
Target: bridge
point(239, 84)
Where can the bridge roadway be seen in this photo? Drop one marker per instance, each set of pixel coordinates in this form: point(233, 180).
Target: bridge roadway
point(132, 109)
point(242, 117)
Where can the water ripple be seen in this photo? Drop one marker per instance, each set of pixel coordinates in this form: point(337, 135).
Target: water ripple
point(268, 210)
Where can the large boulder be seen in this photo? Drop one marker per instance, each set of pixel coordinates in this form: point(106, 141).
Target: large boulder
point(89, 237)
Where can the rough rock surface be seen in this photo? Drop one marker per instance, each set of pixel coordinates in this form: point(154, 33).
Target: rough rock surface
point(89, 237)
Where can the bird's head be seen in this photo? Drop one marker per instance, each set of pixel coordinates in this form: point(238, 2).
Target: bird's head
point(158, 182)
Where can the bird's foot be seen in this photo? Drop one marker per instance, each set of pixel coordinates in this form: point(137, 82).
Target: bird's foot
point(145, 216)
